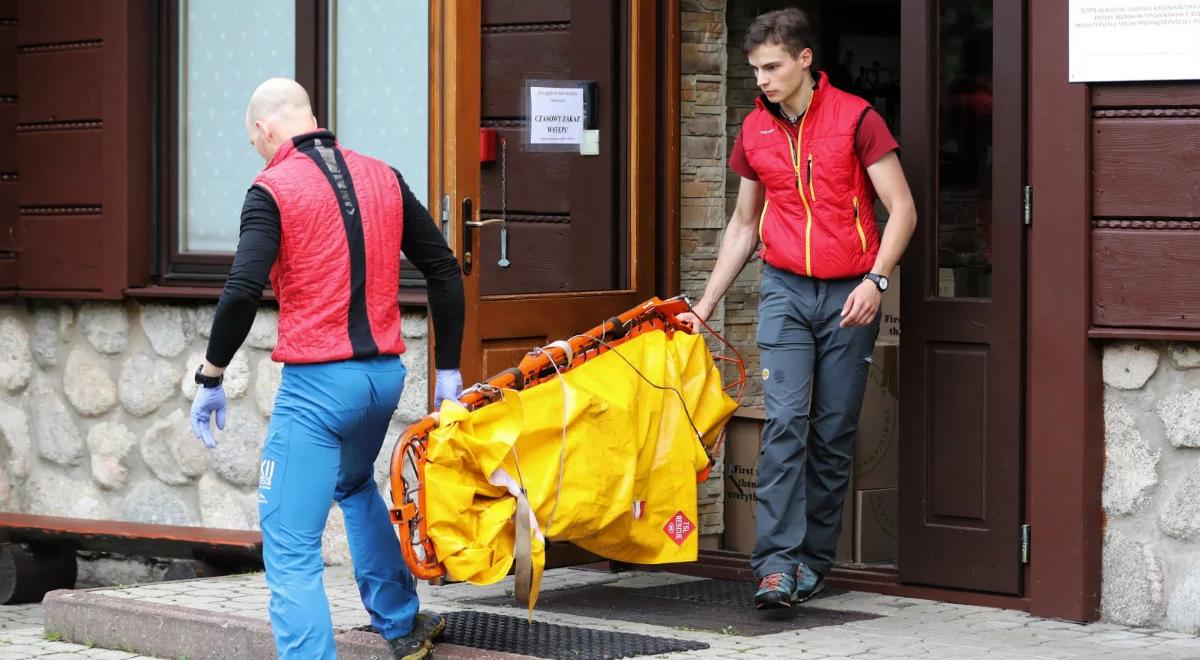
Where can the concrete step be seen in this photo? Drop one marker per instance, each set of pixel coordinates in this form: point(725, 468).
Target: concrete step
point(173, 631)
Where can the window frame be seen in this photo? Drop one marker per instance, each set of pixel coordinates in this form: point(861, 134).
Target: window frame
point(205, 272)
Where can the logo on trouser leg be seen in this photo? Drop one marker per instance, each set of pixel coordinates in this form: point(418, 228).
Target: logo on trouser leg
point(266, 473)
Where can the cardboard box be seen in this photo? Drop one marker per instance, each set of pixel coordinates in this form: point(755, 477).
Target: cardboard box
point(875, 525)
point(889, 325)
point(877, 444)
point(741, 486)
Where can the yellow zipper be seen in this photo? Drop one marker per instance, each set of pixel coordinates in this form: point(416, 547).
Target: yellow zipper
point(812, 194)
point(800, 183)
point(858, 225)
point(761, 216)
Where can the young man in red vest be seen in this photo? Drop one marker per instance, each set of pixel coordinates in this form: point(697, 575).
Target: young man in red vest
point(328, 226)
point(812, 160)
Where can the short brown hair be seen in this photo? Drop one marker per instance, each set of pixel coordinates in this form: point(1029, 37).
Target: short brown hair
point(783, 27)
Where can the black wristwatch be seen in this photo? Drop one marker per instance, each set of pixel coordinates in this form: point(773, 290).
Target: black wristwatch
point(208, 381)
point(881, 281)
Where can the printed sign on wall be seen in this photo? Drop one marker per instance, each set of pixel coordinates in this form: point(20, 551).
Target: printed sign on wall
point(1120, 40)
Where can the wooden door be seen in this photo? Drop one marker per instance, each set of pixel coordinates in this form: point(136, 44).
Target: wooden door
point(963, 303)
point(580, 228)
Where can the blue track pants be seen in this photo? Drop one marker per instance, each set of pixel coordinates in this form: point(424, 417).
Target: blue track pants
point(326, 430)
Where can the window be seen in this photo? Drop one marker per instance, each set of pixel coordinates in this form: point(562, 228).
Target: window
point(224, 54)
point(380, 67)
point(365, 64)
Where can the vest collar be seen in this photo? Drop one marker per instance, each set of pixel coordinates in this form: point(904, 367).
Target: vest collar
point(300, 143)
point(820, 88)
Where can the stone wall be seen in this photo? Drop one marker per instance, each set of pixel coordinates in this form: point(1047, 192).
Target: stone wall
point(1151, 492)
point(702, 180)
point(94, 400)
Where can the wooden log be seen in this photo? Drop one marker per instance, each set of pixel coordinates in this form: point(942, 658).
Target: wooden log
point(28, 573)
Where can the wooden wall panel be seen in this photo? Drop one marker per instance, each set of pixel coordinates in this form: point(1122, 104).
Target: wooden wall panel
point(1146, 167)
point(51, 263)
point(510, 12)
point(61, 168)
point(1146, 95)
point(44, 77)
point(1144, 278)
point(1145, 250)
point(61, 21)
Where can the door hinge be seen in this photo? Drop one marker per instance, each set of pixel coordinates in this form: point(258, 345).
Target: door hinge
point(1027, 205)
point(1024, 544)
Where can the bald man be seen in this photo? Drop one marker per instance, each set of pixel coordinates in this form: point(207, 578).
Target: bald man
point(327, 226)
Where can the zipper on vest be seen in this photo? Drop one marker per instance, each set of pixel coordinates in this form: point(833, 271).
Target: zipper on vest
point(858, 225)
point(812, 193)
point(796, 151)
point(761, 217)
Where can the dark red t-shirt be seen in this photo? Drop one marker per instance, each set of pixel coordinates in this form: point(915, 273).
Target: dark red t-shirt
point(872, 142)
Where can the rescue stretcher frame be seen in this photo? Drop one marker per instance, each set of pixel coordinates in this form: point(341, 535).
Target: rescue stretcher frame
point(538, 366)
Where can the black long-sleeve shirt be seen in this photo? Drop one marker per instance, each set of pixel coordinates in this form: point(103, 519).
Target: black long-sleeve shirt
point(258, 246)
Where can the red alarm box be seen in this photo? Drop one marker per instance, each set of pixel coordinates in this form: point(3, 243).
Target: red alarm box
point(487, 145)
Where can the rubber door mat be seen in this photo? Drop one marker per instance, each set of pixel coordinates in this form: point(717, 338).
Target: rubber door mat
point(705, 605)
point(510, 634)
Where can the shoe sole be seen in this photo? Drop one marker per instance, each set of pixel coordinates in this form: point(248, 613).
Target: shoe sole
point(773, 604)
point(421, 653)
point(816, 590)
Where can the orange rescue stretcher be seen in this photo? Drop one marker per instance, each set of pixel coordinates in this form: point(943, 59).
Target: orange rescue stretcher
point(599, 439)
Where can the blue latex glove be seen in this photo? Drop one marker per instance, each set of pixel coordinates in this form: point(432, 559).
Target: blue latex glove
point(208, 400)
point(448, 386)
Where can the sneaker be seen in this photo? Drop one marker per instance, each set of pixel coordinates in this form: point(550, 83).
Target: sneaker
point(775, 591)
point(418, 643)
point(808, 584)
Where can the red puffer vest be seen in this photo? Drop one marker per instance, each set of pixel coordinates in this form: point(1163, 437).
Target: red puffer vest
point(338, 269)
point(819, 218)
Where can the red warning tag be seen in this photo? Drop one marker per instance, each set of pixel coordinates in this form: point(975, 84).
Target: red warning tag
point(678, 528)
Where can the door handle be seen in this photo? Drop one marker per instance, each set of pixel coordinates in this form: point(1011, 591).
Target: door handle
point(468, 234)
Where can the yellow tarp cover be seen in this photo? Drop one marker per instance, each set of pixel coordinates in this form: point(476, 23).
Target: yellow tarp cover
point(628, 486)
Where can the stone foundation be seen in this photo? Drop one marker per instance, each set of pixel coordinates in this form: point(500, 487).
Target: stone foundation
point(1151, 492)
point(94, 401)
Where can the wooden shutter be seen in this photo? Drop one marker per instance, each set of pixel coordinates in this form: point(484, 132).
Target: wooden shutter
point(83, 132)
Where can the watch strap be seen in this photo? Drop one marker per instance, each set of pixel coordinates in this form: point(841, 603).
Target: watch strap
point(208, 381)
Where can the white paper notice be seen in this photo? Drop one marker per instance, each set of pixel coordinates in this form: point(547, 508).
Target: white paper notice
point(556, 115)
point(1116, 40)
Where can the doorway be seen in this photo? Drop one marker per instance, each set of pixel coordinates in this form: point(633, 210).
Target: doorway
point(937, 492)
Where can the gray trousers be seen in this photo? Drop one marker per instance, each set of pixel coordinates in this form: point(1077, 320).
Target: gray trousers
point(814, 374)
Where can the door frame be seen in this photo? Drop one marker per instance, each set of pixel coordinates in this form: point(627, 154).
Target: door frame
point(1064, 428)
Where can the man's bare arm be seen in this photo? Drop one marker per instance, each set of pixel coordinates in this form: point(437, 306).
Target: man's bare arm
point(738, 243)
